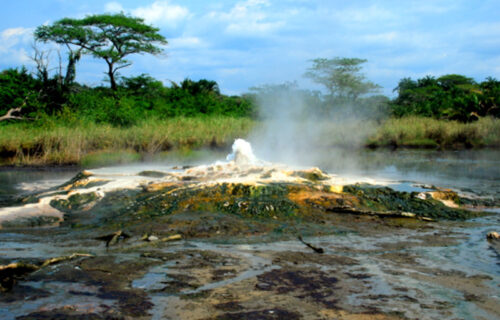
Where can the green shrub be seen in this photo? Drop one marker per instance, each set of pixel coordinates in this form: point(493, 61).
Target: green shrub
point(452, 97)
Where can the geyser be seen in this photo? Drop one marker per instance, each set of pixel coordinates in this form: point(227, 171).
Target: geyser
point(242, 153)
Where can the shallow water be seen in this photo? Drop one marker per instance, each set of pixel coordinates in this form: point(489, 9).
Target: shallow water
point(22, 181)
point(477, 170)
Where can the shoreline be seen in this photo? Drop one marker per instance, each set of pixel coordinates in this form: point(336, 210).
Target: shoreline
point(91, 144)
point(145, 158)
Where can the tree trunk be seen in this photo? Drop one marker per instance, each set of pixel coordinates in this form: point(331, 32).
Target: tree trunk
point(71, 68)
point(111, 74)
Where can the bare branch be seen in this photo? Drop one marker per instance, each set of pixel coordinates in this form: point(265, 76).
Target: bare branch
point(41, 59)
point(9, 115)
point(122, 66)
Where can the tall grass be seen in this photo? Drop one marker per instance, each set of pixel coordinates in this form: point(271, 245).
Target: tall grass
point(420, 132)
point(22, 144)
point(88, 144)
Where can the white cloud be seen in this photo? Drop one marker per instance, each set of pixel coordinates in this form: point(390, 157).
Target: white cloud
point(162, 13)
point(384, 37)
point(113, 7)
point(14, 32)
point(12, 41)
point(432, 6)
point(412, 40)
point(231, 71)
point(365, 15)
point(185, 42)
point(484, 29)
point(12, 36)
point(247, 18)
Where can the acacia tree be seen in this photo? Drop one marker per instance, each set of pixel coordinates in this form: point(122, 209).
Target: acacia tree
point(110, 37)
point(74, 38)
point(341, 77)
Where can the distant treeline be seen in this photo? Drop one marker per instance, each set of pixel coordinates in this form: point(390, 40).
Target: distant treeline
point(136, 98)
point(452, 97)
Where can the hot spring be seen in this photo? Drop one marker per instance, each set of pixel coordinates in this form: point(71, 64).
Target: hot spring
point(365, 235)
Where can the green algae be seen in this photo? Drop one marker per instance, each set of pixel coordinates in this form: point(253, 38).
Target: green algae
point(75, 202)
point(152, 174)
point(270, 202)
point(82, 175)
point(386, 199)
point(203, 210)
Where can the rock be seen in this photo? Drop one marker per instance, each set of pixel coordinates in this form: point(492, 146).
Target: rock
point(10, 273)
point(447, 197)
point(422, 196)
point(313, 174)
point(113, 238)
point(263, 286)
point(224, 189)
point(153, 238)
point(172, 238)
point(493, 235)
point(52, 261)
point(408, 214)
point(31, 221)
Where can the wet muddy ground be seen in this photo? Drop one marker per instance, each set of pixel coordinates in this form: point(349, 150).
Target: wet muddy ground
point(371, 268)
point(200, 264)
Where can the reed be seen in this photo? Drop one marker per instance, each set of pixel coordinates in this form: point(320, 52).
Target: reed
point(58, 144)
point(420, 132)
point(89, 144)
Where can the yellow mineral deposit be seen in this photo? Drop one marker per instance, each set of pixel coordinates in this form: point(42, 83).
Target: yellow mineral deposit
point(446, 196)
point(493, 235)
point(241, 167)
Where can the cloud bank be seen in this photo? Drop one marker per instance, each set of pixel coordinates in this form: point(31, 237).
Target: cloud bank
point(246, 43)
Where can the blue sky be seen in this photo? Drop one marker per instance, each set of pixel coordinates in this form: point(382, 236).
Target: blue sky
point(241, 44)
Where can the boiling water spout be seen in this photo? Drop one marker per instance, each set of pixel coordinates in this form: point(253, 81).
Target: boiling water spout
point(242, 153)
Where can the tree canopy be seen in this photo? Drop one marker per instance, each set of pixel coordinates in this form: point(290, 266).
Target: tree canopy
point(341, 77)
point(450, 96)
point(110, 37)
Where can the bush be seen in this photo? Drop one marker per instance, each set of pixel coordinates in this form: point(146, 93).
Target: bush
point(452, 97)
point(16, 88)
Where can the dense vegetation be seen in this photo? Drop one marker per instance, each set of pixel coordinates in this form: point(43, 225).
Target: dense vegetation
point(136, 98)
point(452, 96)
point(48, 97)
